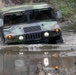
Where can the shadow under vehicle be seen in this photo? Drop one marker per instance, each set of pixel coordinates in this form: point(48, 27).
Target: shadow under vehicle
point(31, 23)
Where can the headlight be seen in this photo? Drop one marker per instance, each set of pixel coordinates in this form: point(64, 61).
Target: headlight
point(57, 30)
point(21, 37)
point(9, 36)
point(46, 34)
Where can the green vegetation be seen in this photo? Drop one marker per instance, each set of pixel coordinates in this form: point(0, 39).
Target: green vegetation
point(68, 7)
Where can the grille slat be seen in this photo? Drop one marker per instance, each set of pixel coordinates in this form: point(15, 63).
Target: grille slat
point(31, 29)
point(33, 36)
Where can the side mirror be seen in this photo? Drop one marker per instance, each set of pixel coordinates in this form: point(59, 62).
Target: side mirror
point(59, 14)
point(1, 22)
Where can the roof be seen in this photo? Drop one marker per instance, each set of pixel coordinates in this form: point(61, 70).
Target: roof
point(24, 7)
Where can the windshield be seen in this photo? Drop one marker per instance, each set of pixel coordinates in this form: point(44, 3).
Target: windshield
point(42, 15)
point(16, 18)
point(29, 16)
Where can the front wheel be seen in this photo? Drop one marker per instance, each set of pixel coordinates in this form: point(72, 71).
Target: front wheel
point(56, 40)
point(59, 40)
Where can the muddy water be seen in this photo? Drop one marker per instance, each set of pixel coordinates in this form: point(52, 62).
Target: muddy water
point(69, 33)
point(37, 60)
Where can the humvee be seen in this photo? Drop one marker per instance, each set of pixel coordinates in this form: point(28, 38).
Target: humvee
point(30, 24)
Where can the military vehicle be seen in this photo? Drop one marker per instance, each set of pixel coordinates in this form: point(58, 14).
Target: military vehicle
point(30, 24)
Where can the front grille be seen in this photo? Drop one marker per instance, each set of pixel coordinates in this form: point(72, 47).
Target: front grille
point(33, 36)
point(32, 28)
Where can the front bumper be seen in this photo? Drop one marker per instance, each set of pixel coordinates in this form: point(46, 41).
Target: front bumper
point(36, 37)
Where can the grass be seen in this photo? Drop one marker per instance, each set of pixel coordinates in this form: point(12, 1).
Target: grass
point(68, 7)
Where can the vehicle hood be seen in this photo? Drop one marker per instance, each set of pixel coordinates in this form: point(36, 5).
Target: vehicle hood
point(21, 29)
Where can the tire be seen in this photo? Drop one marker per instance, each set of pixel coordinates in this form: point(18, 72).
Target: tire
point(59, 40)
point(52, 40)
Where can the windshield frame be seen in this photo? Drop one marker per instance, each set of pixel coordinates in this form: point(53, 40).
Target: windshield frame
point(28, 15)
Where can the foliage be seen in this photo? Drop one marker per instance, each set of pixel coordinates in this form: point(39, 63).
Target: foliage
point(68, 7)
